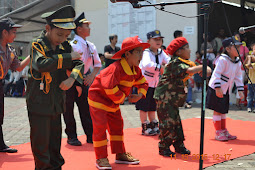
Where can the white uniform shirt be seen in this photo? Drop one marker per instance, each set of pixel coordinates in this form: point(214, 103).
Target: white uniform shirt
point(88, 52)
point(150, 69)
point(225, 73)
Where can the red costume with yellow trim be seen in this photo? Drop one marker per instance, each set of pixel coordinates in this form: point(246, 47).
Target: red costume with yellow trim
point(107, 92)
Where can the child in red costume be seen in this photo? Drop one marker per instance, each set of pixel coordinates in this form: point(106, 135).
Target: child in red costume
point(108, 91)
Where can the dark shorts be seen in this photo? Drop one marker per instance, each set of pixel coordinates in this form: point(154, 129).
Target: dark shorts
point(147, 104)
point(215, 103)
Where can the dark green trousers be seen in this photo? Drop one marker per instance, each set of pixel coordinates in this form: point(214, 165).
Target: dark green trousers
point(45, 136)
point(170, 125)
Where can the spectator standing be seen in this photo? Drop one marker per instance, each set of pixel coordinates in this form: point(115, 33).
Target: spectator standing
point(217, 41)
point(197, 78)
point(177, 33)
point(244, 52)
point(251, 85)
point(209, 55)
point(110, 50)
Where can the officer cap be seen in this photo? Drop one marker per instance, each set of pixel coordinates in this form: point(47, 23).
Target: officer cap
point(61, 18)
point(81, 20)
point(7, 24)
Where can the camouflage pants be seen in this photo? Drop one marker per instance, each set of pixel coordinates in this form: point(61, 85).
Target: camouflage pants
point(170, 125)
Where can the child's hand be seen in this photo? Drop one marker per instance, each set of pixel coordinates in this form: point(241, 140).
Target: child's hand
point(75, 56)
point(249, 65)
point(79, 90)
point(133, 98)
point(219, 92)
point(88, 80)
point(208, 71)
point(241, 95)
point(67, 84)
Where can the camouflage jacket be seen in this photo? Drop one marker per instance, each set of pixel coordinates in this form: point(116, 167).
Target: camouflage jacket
point(171, 87)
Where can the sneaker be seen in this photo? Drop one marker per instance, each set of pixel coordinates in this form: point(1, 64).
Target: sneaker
point(74, 142)
point(228, 135)
point(154, 126)
point(182, 149)
point(147, 130)
point(220, 136)
point(166, 152)
point(126, 158)
point(249, 110)
point(103, 163)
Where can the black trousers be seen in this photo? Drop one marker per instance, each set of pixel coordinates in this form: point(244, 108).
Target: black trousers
point(2, 144)
point(45, 136)
point(83, 106)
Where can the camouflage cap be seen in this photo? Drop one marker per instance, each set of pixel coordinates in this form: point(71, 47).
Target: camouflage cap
point(61, 18)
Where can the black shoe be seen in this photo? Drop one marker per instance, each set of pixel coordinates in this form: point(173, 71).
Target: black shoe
point(166, 152)
point(74, 142)
point(182, 150)
point(89, 140)
point(9, 150)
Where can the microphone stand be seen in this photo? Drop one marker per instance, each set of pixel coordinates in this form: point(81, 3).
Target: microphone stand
point(206, 4)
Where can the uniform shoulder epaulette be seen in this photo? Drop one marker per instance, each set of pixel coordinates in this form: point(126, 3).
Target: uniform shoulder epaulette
point(75, 41)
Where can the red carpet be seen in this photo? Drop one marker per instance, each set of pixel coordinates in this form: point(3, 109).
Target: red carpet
point(145, 148)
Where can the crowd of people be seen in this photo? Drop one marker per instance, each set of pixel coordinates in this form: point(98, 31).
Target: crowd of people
point(58, 74)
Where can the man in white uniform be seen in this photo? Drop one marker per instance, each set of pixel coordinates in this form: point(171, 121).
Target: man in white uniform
point(79, 94)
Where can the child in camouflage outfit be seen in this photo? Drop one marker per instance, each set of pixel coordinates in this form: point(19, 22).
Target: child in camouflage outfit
point(171, 93)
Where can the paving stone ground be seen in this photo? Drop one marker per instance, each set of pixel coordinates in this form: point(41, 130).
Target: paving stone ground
point(16, 127)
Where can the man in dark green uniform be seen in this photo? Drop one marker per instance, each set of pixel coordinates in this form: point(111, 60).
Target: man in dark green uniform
point(51, 58)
